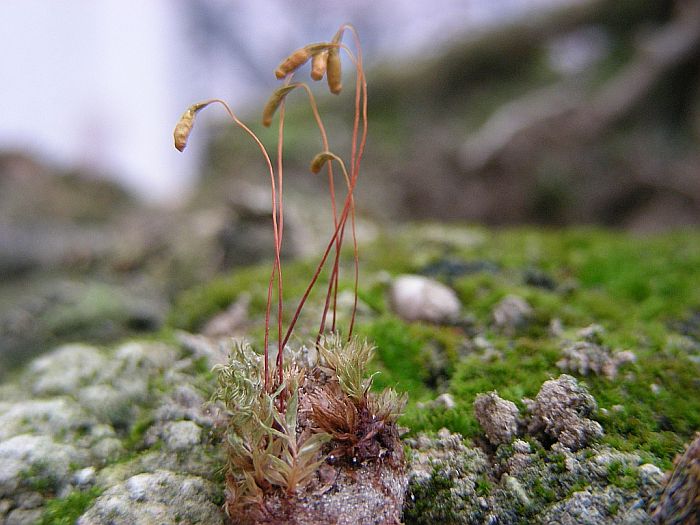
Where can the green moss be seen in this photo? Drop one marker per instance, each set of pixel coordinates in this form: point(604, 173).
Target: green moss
point(638, 288)
point(623, 476)
point(134, 439)
point(66, 511)
point(483, 486)
point(432, 502)
point(39, 478)
point(543, 492)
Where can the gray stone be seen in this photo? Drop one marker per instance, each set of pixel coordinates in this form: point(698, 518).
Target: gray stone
point(445, 401)
point(231, 321)
point(156, 498)
point(605, 506)
point(55, 416)
point(107, 449)
point(85, 477)
point(498, 418)
point(181, 435)
point(445, 461)
point(454, 483)
point(184, 403)
point(26, 457)
point(651, 474)
point(512, 314)
point(592, 333)
point(108, 404)
point(585, 357)
point(560, 412)
point(23, 517)
point(141, 357)
point(29, 500)
point(417, 298)
point(65, 369)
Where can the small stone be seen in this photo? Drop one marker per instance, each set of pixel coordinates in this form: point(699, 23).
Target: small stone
point(57, 416)
point(24, 517)
point(29, 500)
point(556, 327)
point(655, 389)
point(142, 358)
point(512, 314)
point(482, 343)
point(521, 447)
point(65, 369)
point(181, 435)
point(107, 449)
point(85, 476)
point(585, 357)
point(40, 455)
point(592, 333)
point(444, 433)
point(158, 497)
point(417, 298)
point(560, 412)
point(650, 474)
point(498, 418)
point(445, 401)
point(111, 405)
point(514, 487)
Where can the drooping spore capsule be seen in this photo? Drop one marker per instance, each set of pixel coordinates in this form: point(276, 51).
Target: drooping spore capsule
point(320, 159)
point(274, 102)
point(333, 71)
point(292, 62)
point(183, 128)
point(319, 64)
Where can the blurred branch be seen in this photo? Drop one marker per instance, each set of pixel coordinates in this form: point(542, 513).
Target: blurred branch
point(563, 112)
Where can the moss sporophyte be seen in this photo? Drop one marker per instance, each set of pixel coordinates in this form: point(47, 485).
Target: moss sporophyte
point(305, 441)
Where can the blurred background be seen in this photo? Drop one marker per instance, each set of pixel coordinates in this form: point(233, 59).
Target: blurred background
point(496, 112)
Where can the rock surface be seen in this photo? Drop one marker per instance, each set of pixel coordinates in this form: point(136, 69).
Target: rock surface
point(158, 497)
point(129, 422)
point(680, 500)
point(453, 483)
point(498, 418)
point(560, 412)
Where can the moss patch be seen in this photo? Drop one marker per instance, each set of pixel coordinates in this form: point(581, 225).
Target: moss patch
point(66, 511)
point(640, 289)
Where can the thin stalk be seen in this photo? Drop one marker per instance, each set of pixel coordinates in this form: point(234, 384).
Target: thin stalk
point(337, 254)
point(275, 227)
point(280, 221)
point(361, 81)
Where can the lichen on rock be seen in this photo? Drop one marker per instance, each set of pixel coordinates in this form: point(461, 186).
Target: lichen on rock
point(560, 413)
point(498, 418)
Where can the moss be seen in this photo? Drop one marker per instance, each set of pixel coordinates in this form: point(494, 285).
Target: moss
point(66, 511)
point(202, 368)
point(195, 306)
point(640, 289)
point(137, 432)
point(483, 486)
point(432, 502)
point(39, 478)
point(622, 475)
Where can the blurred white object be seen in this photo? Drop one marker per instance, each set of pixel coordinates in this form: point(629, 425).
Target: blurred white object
point(96, 85)
point(417, 298)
